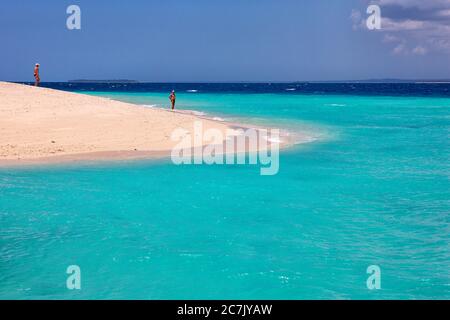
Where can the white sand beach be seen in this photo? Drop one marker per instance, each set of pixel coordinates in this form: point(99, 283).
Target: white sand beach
point(40, 123)
point(46, 125)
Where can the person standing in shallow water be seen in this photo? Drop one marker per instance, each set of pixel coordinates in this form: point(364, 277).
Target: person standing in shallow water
point(172, 98)
point(36, 75)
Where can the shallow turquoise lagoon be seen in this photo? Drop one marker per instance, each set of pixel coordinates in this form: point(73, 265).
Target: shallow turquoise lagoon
point(372, 189)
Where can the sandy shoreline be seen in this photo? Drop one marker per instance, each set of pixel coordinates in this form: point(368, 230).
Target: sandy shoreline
point(41, 125)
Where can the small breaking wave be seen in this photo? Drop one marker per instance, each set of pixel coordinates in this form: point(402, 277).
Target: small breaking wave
point(335, 105)
point(197, 113)
point(288, 136)
point(274, 140)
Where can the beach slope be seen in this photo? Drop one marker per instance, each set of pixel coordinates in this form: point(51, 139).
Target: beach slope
point(41, 124)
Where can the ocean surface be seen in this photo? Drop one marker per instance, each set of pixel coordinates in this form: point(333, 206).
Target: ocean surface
point(371, 188)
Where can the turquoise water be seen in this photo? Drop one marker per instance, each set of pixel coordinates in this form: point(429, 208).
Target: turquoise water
point(373, 189)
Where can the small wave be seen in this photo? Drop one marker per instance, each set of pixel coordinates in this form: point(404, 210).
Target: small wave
point(335, 105)
point(307, 139)
point(198, 113)
point(274, 140)
point(218, 119)
point(193, 91)
point(192, 112)
point(291, 89)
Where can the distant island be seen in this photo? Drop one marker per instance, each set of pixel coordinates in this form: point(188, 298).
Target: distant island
point(103, 81)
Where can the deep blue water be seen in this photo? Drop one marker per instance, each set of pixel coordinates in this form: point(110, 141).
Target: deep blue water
point(372, 189)
point(369, 89)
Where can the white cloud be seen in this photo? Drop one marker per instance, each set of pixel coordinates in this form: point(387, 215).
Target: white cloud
point(413, 26)
point(421, 4)
point(388, 38)
point(357, 20)
point(400, 49)
point(405, 25)
point(419, 50)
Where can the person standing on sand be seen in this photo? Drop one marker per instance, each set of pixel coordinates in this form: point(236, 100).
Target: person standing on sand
point(172, 98)
point(36, 75)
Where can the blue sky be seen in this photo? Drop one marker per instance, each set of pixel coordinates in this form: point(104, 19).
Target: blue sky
point(218, 40)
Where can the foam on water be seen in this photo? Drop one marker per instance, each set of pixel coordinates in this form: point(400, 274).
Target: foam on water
point(336, 105)
point(274, 140)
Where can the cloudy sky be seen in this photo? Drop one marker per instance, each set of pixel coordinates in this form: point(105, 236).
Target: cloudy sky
point(416, 27)
point(232, 40)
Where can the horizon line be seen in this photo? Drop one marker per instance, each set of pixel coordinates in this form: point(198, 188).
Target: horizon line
point(381, 80)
